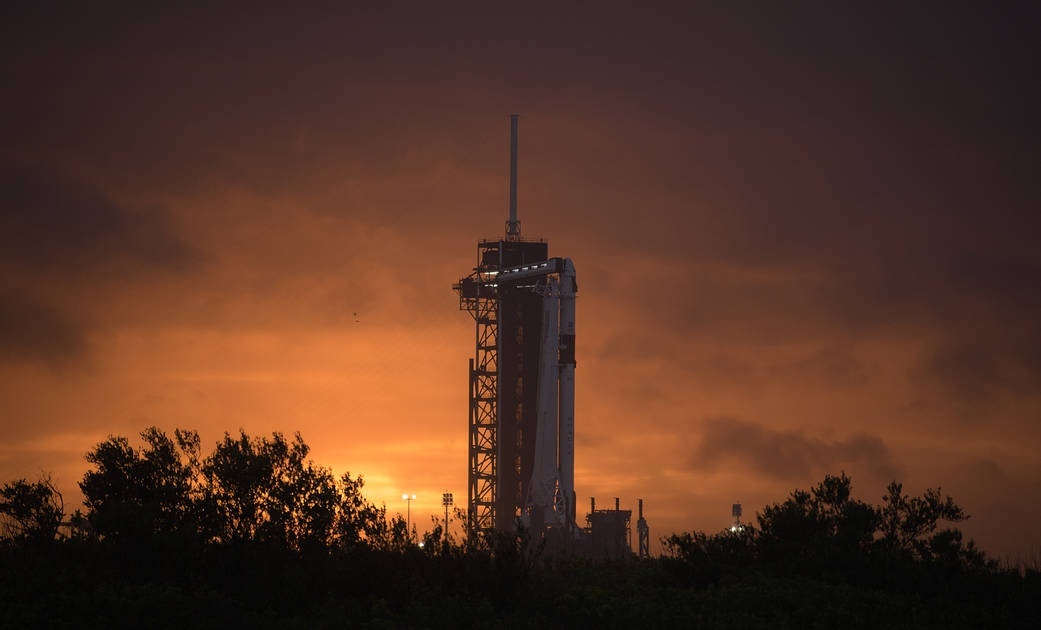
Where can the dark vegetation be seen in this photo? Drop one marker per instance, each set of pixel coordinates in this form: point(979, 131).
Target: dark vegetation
point(254, 535)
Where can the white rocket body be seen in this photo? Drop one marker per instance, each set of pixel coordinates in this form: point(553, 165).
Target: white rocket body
point(544, 473)
point(566, 431)
point(551, 492)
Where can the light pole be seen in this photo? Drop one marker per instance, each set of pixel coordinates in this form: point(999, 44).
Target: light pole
point(408, 499)
point(446, 500)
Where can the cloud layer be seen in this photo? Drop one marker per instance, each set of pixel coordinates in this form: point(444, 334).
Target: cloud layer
point(787, 455)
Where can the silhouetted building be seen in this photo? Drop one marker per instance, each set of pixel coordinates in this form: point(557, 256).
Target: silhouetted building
point(608, 532)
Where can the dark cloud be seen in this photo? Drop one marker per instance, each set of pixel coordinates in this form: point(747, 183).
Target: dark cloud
point(31, 330)
point(1008, 280)
point(786, 454)
point(695, 355)
point(65, 250)
point(977, 372)
point(50, 222)
point(830, 367)
point(982, 310)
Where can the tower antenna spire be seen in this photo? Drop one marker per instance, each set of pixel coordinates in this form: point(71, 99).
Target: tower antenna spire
point(513, 224)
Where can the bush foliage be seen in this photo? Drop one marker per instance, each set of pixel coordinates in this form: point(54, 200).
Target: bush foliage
point(254, 534)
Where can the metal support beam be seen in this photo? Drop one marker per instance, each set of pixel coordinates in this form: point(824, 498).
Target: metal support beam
point(481, 301)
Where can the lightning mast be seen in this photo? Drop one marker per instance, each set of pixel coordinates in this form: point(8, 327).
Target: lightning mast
point(513, 224)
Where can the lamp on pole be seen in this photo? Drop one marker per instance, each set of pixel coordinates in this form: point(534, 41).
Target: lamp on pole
point(408, 499)
point(446, 500)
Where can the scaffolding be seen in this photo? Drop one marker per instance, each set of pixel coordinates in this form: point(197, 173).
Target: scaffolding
point(477, 295)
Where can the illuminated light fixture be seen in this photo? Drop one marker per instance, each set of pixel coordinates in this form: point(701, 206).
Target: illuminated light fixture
point(408, 499)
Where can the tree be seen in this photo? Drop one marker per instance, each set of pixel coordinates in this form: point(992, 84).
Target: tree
point(31, 511)
point(358, 522)
point(909, 524)
point(388, 534)
point(823, 528)
point(689, 546)
point(135, 493)
point(265, 490)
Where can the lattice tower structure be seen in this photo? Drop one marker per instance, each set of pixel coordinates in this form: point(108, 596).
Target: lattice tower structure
point(503, 379)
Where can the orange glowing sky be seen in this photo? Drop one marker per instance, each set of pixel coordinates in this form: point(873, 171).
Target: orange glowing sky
point(806, 241)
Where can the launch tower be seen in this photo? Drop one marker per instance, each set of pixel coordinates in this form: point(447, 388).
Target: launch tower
point(521, 452)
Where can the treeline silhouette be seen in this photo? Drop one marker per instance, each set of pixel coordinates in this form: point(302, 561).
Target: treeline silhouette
point(256, 535)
